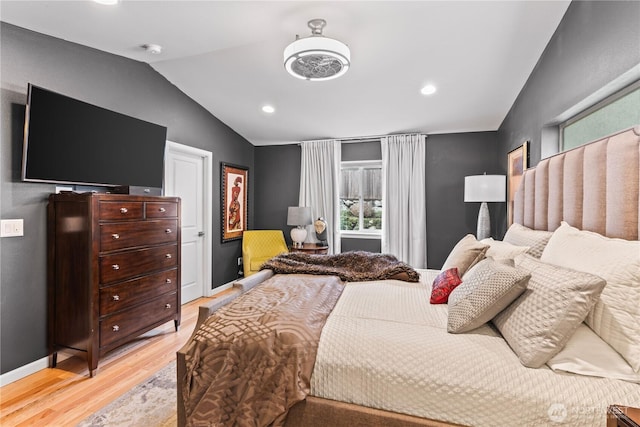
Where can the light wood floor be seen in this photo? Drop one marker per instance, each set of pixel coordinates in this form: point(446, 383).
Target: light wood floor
point(66, 395)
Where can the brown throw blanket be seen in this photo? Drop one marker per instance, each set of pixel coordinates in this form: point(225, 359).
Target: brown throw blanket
point(252, 359)
point(355, 266)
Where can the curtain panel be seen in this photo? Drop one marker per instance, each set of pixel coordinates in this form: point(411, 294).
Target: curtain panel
point(319, 187)
point(404, 213)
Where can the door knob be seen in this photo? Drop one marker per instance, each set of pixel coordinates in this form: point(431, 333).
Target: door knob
point(200, 233)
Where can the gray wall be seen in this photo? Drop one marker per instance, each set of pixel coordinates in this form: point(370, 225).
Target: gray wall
point(277, 173)
point(277, 176)
point(449, 159)
point(358, 151)
point(596, 42)
point(110, 81)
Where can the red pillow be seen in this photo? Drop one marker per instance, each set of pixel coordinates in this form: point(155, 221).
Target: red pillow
point(444, 284)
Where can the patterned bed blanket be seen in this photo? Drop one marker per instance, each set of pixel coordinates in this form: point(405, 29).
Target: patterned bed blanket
point(357, 266)
point(252, 360)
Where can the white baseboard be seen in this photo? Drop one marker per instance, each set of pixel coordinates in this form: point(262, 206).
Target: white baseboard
point(35, 366)
point(23, 371)
point(30, 368)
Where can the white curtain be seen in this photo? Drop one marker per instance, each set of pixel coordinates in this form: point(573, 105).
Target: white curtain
point(319, 180)
point(404, 213)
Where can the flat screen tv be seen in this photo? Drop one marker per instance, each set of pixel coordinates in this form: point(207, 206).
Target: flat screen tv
point(72, 142)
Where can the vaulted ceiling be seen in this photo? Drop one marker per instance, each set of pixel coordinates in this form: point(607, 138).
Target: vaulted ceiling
point(228, 56)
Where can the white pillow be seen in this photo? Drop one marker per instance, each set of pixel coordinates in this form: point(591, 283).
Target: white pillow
point(616, 315)
point(499, 249)
point(587, 354)
point(539, 322)
point(524, 236)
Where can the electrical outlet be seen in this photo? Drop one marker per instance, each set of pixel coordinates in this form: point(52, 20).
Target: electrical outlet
point(11, 228)
point(239, 261)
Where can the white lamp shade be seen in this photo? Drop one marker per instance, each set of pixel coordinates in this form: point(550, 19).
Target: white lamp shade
point(299, 215)
point(484, 188)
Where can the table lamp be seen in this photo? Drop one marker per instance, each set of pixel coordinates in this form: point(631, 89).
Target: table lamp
point(300, 217)
point(484, 188)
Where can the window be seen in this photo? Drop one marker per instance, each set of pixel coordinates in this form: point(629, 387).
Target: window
point(361, 198)
point(617, 112)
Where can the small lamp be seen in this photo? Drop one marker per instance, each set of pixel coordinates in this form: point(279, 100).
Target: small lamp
point(300, 217)
point(484, 188)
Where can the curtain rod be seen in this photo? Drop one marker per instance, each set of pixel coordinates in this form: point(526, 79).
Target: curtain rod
point(369, 138)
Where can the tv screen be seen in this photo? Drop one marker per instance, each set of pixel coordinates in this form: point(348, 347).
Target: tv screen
point(73, 142)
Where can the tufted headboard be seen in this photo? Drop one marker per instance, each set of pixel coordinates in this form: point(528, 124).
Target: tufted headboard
point(592, 187)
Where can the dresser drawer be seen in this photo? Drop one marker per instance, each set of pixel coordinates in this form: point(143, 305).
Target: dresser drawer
point(114, 236)
point(161, 210)
point(130, 264)
point(121, 210)
point(125, 323)
point(132, 292)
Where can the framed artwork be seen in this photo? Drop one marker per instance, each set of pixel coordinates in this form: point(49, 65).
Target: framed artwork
point(517, 163)
point(234, 189)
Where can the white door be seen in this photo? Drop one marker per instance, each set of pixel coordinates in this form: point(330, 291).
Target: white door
point(187, 175)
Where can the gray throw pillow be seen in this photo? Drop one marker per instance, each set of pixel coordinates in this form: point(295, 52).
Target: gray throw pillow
point(487, 288)
point(539, 322)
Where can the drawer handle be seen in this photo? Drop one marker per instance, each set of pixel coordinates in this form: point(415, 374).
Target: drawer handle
point(115, 267)
point(168, 256)
point(168, 231)
point(116, 297)
point(116, 236)
point(168, 281)
point(115, 328)
point(124, 210)
point(162, 210)
point(167, 306)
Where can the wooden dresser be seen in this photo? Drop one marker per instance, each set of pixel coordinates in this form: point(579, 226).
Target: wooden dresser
point(113, 270)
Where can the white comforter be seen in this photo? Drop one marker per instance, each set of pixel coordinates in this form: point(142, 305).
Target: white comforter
point(385, 346)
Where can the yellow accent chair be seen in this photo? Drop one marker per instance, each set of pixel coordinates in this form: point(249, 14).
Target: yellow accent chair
point(259, 246)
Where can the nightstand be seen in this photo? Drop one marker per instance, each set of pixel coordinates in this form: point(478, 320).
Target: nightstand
point(623, 416)
point(311, 248)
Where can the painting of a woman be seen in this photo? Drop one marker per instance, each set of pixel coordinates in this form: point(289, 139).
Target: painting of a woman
point(234, 201)
point(235, 214)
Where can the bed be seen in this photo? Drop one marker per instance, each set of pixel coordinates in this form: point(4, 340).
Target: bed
point(385, 357)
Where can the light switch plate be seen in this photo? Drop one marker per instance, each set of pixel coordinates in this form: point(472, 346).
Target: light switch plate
point(11, 227)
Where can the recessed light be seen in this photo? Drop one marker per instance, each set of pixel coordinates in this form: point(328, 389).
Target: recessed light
point(154, 49)
point(428, 90)
point(268, 109)
point(107, 2)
